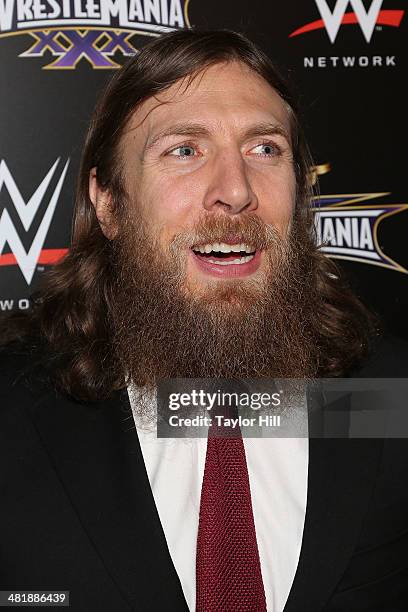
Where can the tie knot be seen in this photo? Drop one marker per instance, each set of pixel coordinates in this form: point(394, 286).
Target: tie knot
point(225, 413)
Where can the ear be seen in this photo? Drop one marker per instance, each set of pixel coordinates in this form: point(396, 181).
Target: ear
point(102, 202)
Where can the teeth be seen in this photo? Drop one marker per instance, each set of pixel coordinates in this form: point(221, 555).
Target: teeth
point(240, 260)
point(222, 247)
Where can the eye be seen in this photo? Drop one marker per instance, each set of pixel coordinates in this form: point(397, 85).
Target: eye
point(182, 151)
point(266, 149)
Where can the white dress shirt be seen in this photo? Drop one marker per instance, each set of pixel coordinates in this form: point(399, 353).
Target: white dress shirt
point(277, 469)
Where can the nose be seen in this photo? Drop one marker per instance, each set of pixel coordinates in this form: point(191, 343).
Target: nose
point(229, 187)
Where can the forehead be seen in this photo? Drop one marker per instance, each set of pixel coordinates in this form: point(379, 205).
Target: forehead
point(222, 97)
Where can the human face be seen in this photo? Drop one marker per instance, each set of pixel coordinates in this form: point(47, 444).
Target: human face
point(217, 150)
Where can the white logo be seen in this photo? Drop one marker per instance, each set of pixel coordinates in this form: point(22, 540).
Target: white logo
point(145, 15)
point(366, 19)
point(27, 260)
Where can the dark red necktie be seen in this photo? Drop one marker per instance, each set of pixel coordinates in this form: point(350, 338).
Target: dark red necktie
point(228, 569)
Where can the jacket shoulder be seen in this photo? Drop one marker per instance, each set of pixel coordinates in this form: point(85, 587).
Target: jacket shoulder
point(22, 376)
point(387, 358)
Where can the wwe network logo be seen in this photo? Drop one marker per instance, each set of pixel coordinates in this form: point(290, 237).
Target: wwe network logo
point(27, 260)
point(367, 19)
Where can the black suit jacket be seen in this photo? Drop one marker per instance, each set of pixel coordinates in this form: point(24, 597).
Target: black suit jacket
point(77, 512)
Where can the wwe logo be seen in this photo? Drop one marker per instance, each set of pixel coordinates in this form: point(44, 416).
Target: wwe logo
point(27, 260)
point(333, 20)
point(70, 46)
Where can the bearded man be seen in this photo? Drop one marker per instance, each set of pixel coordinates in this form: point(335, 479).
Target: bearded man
point(194, 256)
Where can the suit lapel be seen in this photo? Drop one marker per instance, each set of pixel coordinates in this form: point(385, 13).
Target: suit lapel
point(341, 478)
point(96, 453)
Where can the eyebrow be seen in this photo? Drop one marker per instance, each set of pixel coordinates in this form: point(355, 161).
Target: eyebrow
point(262, 128)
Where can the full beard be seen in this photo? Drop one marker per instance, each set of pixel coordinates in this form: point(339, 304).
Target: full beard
point(260, 327)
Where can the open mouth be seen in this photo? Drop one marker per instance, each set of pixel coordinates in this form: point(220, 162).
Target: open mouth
point(223, 254)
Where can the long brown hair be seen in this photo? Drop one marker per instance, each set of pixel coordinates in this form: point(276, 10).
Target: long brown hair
point(70, 318)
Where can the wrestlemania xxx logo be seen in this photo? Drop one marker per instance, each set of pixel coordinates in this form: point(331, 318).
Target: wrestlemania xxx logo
point(88, 30)
point(347, 226)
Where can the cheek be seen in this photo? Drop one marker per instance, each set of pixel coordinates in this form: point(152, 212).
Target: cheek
point(276, 199)
point(171, 200)
point(168, 204)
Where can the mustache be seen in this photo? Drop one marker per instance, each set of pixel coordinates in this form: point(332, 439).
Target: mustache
point(249, 229)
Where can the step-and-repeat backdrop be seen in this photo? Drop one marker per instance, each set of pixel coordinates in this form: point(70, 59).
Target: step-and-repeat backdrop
point(346, 59)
